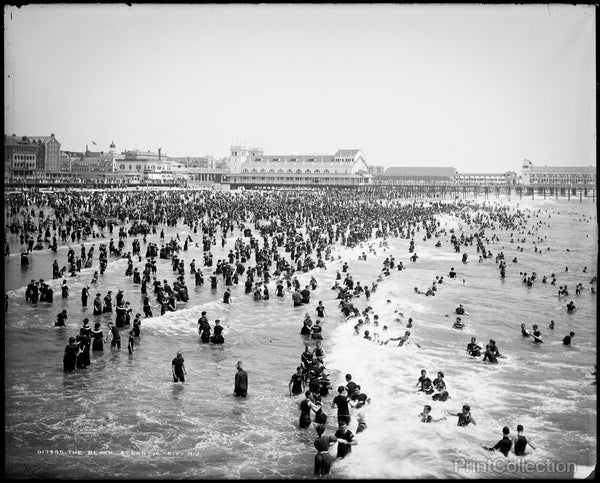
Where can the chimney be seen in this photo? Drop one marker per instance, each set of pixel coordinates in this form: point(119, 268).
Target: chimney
point(159, 153)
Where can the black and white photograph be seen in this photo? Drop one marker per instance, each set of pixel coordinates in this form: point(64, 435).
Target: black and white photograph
point(300, 241)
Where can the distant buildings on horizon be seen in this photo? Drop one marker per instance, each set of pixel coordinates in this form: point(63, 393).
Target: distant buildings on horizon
point(39, 158)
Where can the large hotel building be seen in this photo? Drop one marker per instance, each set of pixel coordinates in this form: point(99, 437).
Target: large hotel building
point(31, 157)
point(252, 168)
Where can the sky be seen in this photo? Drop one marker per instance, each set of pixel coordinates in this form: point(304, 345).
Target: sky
point(478, 88)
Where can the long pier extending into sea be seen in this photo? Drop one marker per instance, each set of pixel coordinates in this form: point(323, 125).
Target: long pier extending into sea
point(412, 190)
point(453, 191)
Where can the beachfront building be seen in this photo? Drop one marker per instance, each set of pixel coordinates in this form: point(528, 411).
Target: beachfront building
point(89, 164)
point(509, 178)
point(49, 159)
point(128, 167)
point(66, 160)
point(376, 170)
point(31, 157)
point(416, 176)
point(92, 165)
point(194, 161)
point(20, 159)
point(135, 161)
point(135, 166)
point(199, 177)
point(251, 168)
point(200, 171)
point(557, 176)
point(148, 167)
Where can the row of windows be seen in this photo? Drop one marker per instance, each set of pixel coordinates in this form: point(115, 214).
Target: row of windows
point(562, 176)
point(242, 179)
point(293, 160)
point(24, 157)
point(564, 181)
point(246, 170)
point(138, 167)
point(23, 164)
point(481, 177)
point(87, 169)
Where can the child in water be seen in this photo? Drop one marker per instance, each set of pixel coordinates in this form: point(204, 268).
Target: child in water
point(426, 417)
point(425, 383)
point(464, 417)
point(473, 348)
point(131, 341)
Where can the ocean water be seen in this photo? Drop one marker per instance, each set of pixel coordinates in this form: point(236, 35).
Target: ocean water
point(123, 417)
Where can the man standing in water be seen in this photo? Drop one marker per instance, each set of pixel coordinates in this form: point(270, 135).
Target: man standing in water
point(178, 368)
point(342, 401)
point(567, 338)
point(521, 442)
point(116, 336)
point(296, 384)
point(323, 459)
point(504, 445)
point(241, 381)
point(345, 440)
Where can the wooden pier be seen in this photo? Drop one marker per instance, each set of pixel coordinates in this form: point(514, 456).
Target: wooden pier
point(457, 191)
point(410, 191)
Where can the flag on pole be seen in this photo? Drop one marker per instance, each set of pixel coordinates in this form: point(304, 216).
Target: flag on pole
point(527, 161)
point(94, 143)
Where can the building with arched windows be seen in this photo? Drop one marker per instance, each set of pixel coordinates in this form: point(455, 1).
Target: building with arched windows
point(250, 167)
point(557, 176)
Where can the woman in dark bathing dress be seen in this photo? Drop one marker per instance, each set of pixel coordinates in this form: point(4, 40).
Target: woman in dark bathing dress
point(83, 357)
point(306, 405)
point(98, 338)
point(70, 357)
point(217, 337)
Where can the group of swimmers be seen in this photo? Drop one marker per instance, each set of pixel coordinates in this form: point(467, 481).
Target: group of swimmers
point(518, 443)
point(204, 330)
point(312, 380)
point(536, 334)
point(353, 236)
point(436, 388)
point(348, 396)
point(491, 353)
point(77, 351)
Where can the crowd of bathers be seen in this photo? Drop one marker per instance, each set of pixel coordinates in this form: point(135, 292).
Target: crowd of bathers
point(285, 233)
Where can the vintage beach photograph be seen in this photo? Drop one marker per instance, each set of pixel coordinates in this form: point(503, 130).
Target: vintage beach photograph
point(300, 241)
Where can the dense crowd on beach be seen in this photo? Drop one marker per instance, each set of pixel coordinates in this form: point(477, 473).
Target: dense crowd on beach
point(285, 233)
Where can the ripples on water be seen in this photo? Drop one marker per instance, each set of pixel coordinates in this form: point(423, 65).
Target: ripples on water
point(128, 407)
